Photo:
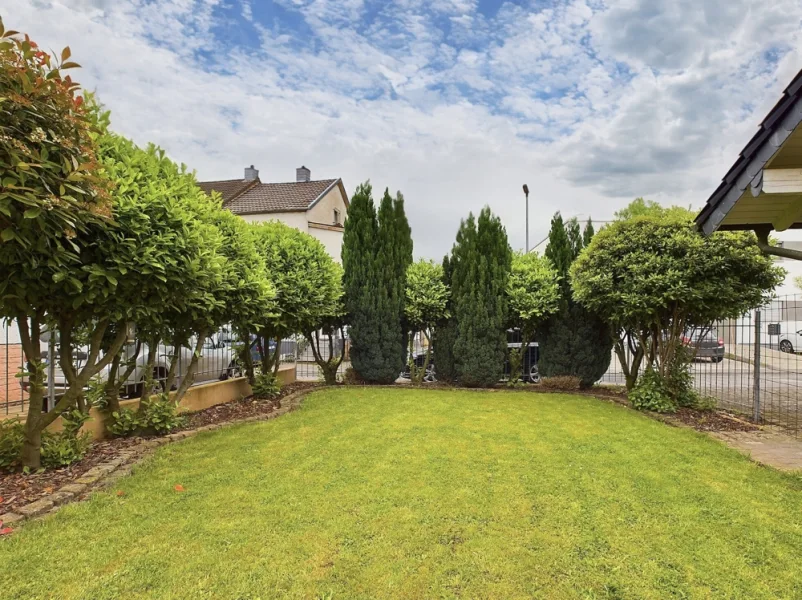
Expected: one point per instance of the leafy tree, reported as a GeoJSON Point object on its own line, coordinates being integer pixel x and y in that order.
{"type": "Point", "coordinates": [649, 208]}
{"type": "Point", "coordinates": [306, 282]}
{"type": "Point", "coordinates": [174, 263]}
{"type": "Point", "coordinates": [481, 264]}
{"type": "Point", "coordinates": [574, 341]}
{"type": "Point", "coordinates": [50, 193]}
{"type": "Point", "coordinates": [653, 277]}
{"type": "Point", "coordinates": [426, 305]}
{"type": "Point", "coordinates": [330, 322]}
{"type": "Point", "coordinates": [533, 293]}
{"type": "Point", "coordinates": [248, 287]}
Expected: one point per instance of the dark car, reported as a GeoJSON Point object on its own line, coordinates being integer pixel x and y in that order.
{"type": "Point", "coordinates": [704, 343]}
{"type": "Point", "coordinates": [529, 370]}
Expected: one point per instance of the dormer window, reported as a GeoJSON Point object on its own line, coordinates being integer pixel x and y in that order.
{"type": "Point", "coordinates": [336, 216]}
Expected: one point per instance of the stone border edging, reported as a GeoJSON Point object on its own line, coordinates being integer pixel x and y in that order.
{"type": "Point", "coordinates": [108, 472]}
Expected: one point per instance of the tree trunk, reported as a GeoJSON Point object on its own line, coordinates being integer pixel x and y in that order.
{"type": "Point", "coordinates": [330, 366]}
{"type": "Point", "coordinates": [247, 359]}
{"type": "Point", "coordinates": [174, 360]}
{"type": "Point", "coordinates": [189, 377]}
{"type": "Point", "coordinates": [32, 447]}
{"type": "Point", "coordinates": [30, 337]}
{"type": "Point", "coordinates": [148, 374]}
{"type": "Point", "coordinates": [112, 389]}
{"type": "Point", "coordinates": [276, 357]}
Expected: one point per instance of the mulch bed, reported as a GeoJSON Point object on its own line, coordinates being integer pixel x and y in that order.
{"type": "Point", "coordinates": [713, 420]}
{"type": "Point", "coordinates": [18, 489]}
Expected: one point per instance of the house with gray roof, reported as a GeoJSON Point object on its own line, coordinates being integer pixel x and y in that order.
{"type": "Point", "coordinates": [317, 207]}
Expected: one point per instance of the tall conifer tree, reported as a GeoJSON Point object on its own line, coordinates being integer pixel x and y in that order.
{"type": "Point", "coordinates": [481, 261]}
{"type": "Point", "coordinates": [377, 249]}
{"type": "Point", "coordinates": [573, 342]}
{"type": "Point", "coordinates": [445, 333]}
{"type": "Point", "coordinates": [360, 279]}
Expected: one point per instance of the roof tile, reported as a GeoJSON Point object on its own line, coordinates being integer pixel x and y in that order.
{"type": "Point", "coordinates": [267, 197]}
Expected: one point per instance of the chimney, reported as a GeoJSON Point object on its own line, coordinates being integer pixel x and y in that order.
{"type": "Point", "coordinates": [302, 174]}
{"type": "Point", "coordinates": [251, 174]}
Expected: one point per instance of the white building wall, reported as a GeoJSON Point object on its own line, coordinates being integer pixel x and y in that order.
{"type": "Point", "coordinates": [332, 240]}
{"type": "Point", "coordinates": [323, 211]}
{"type": "Point", "coordinates": [293, 219]}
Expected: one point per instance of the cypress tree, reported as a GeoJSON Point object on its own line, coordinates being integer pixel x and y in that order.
{"type": "Point", "coordinates": [404, 259]}
{"type": "Point", "coordinates": [587, 235]}
{"type": "Point", "coordinates": [573, 341]}
{"type": "Point", "coordinates": [360, 280]}
{"type": "Point", "coordinates": [377, 249]}
{"type": "Point", "coordinates": [574, 234]}
{"type": "Point", "coordinates": [558, 250]}
{"type": "Point", "coordinates": [481, 264]}
{"type": "Point", "coordinates": [445, 334]}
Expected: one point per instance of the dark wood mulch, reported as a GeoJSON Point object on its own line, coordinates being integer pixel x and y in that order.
{"type": "Point", "coordinates": [713, 420]}
{"type": "Point", "coordinates": [240, 409]}
{"type": "Point", "coordinates": [18, 489]}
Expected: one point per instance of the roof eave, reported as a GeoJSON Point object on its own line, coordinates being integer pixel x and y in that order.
{"type": "Point", "coordinates": [269, 212]}
{"type": "Point", "coordinates": [747, 171]}
{"type": "Point", "coordinates": [324, 192]}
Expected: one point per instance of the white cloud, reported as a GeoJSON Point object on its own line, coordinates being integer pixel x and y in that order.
{"type": "Point", "coordinates": [588, 104]}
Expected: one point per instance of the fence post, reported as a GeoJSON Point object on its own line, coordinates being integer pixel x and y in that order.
{"type": "Point", "coordinates": [51, 371]}
{"type": "Point", "coordinates": [756, 389]}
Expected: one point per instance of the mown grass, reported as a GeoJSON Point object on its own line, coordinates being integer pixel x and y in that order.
{"type": "Point", "coordinates": [378, 493]}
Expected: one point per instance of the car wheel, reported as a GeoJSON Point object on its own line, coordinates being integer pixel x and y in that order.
{"type": "Point", "coordinates": [430, 376]}
{"type": "Point", "coordinates": [159, 384]}
{"type": "Point", "coordinates": [786, 346]}
{"type": "Point", "coordinates": [534, 374]}
{"type": "Point", "coordinates": [233, 370]}
{"type": "Point", "coordinates": [718, 359]}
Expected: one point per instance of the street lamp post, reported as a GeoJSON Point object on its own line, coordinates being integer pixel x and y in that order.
{"type": "Point", "coordinates": [526, 193]}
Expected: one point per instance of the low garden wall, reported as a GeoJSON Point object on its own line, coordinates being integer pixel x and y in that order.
{"type": "Point", "coordinates": [198, 397]}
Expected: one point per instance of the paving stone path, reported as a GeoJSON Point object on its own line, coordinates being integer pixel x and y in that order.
{"type": "Point", "coordinates": [768, 446]}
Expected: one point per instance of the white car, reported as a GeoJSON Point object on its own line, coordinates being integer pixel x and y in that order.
{"type": "Point", "coordinates": [790, 336]}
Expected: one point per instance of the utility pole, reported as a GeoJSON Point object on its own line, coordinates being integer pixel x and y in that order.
{"type": "Point", "coordinates": [526, 193]}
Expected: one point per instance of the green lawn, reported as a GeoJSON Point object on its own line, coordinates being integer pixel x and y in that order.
{"type": "Point", "coordinates": [379, 493]}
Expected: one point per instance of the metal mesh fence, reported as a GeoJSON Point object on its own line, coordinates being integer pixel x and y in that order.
{"type": "Point", "coordinates": [216, 362]}
{"type": "Point", "coordinates": [751, 365]}
{"type": "Point", "coordinates": [307, 369]}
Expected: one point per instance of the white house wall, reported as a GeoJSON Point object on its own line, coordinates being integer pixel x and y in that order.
{"type": "Point", "coordinates": [332, 240]}
{"type": "Point", "coordinates": [323, 211]}
{"type": "Point", "coordinates": [293, 219]}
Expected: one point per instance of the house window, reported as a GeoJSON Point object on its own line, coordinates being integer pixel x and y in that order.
{"type": "Point", "coordinates": [336, 217]}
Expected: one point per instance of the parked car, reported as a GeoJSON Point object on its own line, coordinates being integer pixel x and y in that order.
{"type": "Point", "coordinates": [705, 343]}
{"type": "Point", "coordinates": [789, 336]}
{"type": "Point", "coordinates": [217, 361]}
{"type": "Point", "coordinates": [529, 368]}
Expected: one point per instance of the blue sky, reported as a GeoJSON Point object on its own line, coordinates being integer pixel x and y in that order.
{"type": "Point", "coordinates": [457, 103]}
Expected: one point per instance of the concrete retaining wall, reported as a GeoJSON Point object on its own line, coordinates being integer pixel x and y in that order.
{"type": "Point", "coordinates": [197, 397]}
